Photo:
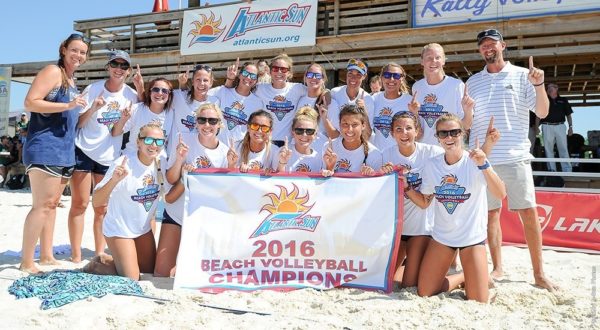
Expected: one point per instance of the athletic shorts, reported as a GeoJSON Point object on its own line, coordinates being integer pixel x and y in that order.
{"type": "Point", "coordinates": [83, 163]}
{"type": "Point", "coordinates": [55, 171]}
{"type": "Point", "coordinates": [468, 246]}
{"type": "Point", "coordinates": [518, 179]}
{"type": "Point", "coordinates": [405, 238]}
{"type": "Point", "coordinates": [167, 220]}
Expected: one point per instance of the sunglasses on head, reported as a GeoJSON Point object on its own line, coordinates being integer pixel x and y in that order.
{"type": "Point", "coordinates": [204, 67]}
{"type": "Point", "coordinates": [149, 140]}
{"type": "Point", "coordinates": [359, 63]}
{"type": "Point", "coordinates": [203, 120]}
{"type": "Point", "coordinates": [250, 75]}
{"type": "Point", "coordinates": [120, 65]}
{"type": "Point", "coordinates": [395, 75]}
{"type": "Point", "coordinates": [314, 75]}
{"type": "Point", "coordinates": [79, 37]}
{"type": "Point", "coordinates": [444, 134]}
{"type": "Point", "coordinates": [488, 33]}
{"type": "Point", "coordinates": [302, 131]}
{"type": "Point", "coordinates": [160, 90]}
{"type": "Point", "coordinates": [280, 69]}
{"type": "Point", "coordinates": [262, 128]}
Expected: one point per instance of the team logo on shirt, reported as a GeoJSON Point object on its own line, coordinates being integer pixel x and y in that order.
{"type": "Point", "coordinates": [430, 110]}
{"type": "Point", "coordinates": [287, 210]}
{"type": "Point", "coordinates": [207, 29]}
{"type": "Point", "coordinates": [189, 122]}
{"type": "Point", "coordinates": [280, 106]}
{"type": "Point", "coordinates": [412, 179]}
{"type": "Point", "coordinates": [450, 193]}
{"type": "Point", "coordinates": [342, 165]}
{"type": "Point", "coordinates": [255, 166]}
{"type": "Point", "coordinates": [112, 115]}
{"type": "Point", "coordinates": [383, 122]}
{"type": "Point", "coordinates": [148, 194]}
{"type": "Point", "coordinates": [304, 168]}
{"type": "Point", "coordinates": [235, 115]}
{"type": "Point", "coordinates": [203, 162]}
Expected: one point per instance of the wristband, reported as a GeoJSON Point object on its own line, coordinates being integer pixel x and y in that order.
{"type": "Point", "coordinates": [538, 85]}
{"type": "Point", "coordinates": [484, 166]}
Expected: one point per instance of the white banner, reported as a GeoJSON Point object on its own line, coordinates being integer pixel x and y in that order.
{"type": "Point", "coordinates": [5, 76]}
{"type": "Point", "coordinates": [440, 12]}
{"type": "Point", "coordinates": [249, 232]}
{"type": "Point", "coordinates": [240, 27]}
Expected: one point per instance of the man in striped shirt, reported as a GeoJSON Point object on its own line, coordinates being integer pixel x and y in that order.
{"type": "Point", "coordinates": [508, 93]}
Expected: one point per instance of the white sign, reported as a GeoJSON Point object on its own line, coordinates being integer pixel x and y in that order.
{"type": "Point", "coordinates": [5, 76]}
{"type": "Point", "coordinates": [243, 27]}
{"type": "Point", "coordinates": [250, 232]}
{"type": "Point", "coordinates": [440, 12]}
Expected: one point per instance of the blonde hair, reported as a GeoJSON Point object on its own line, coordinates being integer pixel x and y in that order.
{"type": "Point", "coordinates": [323, 73]}
{"type": "Point", "coordinates": [403, 85]}
{"type": "Point", "coordinates": [144, 130]}
{"type": "Point", "coordinates": [449, 117]}
{"type": "Point", "coordinates": [432, 46]}
{"type": "Point", "coordinates": [288, 60]}
{"type": "Point", "coordinates": [308, 114]}
{"type": "Point", "coordinates": [210, 106]}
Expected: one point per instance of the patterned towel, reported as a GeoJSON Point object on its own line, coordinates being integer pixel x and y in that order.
{"type": "Point", "coordinates": [62, 287]}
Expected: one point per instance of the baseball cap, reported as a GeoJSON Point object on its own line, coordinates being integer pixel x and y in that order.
{"type": "Point", "coordinates": [116, 54]}
{"type": "Point", "coordinates": [358, 65]}
{"type": "Point", "coordinates": [489, 33]}
{"type": "Point", "coordinates": [23, 113]}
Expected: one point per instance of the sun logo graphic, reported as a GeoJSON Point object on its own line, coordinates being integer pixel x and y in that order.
{"type": "Point", "coordinates": [203, 162]}
{"type": "Point", "coordinates": [280, 106]}
{"type": "Point", "coordinates": [342, 165]}
{"type": "Point", "coordinates": [304, 168]}
{"type": "Point", "coordinates": [412, 179]}
{"type": "Point", "coordinates": [112, 115]}
{"type": "Point", "coordinates": [450, 193]}
{"type": "Point", "coordinates": [235, 116]}
{"type": "Point", "coordinates": [206, 30]}
{"type": "Point", "coordinates": [287, 211]}
{"type": "Point", "coordinates": [255, 166]}
{"type": "Point", "coordinates": [189, 122]}
{"type": "Point", "coordinates": [148, 193]}
{"type": "Point", "coordinates": [383, 122]}
{"type": "Point", "coordinates": [430, 109]}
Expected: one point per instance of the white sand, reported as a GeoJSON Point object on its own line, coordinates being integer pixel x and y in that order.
{"type": "Point", "coordinates": [518, 303]}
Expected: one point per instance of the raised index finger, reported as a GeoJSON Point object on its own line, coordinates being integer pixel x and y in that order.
{"type": "Point", "coordinates": [285, 142]}
{"type": "Point", "coordinates": [530, 62]}
{"type": "Point", "coordinates": [414, 98]}
{"type": "Point", "coordinates": [491, 124]}
{"type": "Point", "coordinates": [124, 162]}
{"type": "Point", "coordinates": [138, 69]}
{"type": "Point", "coordinates": [180, 138]}
{"type": "Point", "coordinates": [230, 143]}
{"type": "Point", "coordinates": [237, 63]}
{"type": "Point", "coordinates": [466, 94]}
{"type": "Point", "coordinates": [477, 143]}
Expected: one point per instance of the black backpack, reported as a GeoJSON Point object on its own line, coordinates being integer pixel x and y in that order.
{"type": "Point", "coordinates": [16, 182]}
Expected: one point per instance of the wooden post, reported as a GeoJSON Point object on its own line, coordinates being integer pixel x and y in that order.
{"type": "Point", "coordinates": [132, 40]}
{"type": "Point", "coordinates": [336, 17]}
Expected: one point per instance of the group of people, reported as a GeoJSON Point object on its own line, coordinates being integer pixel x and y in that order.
{"type": "Point", "coordinates": [280, 126]}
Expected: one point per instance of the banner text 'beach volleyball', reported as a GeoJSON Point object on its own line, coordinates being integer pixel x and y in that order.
{"type": "Point", "coordinates": [242, 27]}
{"type": "Point", "coordinates": [247, 232]}
{"type": "Point", "coordinates": [438, 12]}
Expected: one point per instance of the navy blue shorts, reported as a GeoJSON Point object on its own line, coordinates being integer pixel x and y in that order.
{"type": "Point", "coordinates": [167, 220]}
{"type": "Point", "coordinates": [405, 238]}
{"type": "Point", "coordinates": [468, 246]}
{"type": "Point", "coordinates": [55, 171]}
{"type": "Point", "coordinates": [83, 163]}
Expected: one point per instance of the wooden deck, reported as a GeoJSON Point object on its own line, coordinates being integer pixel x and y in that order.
{"type": "Point", "coordinates": [567, 47]}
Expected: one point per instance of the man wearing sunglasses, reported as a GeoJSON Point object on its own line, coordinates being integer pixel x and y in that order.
{"type": "Point", "coordinates": [508, 93]}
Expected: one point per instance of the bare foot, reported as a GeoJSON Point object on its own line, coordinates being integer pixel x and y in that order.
{"type": "Point", "coordinates": [49, 262]}
{"type": "Point", "coordinates": [497, 274]}
{"type": "Point", "coordinates": [492, 297]}
{"type": "Point", "coordinates": [30, 270]}
{"type": "Point", "coordinates": [545, 283]}
{"type": "Point", "coordinates": [491, 283]}
{"type": "Point", "coordinates": [75, 260]}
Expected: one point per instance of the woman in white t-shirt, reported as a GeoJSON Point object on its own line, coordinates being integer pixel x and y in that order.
{"type": "Point", "coordinates": [458, 181]}
{"type": "Point", "coordinates": [352, 151]}
{"type": "Point", "coordinates": [130, 191]}
{"type": "Point", "coordinates": [410, 157]}
{"type": "Point", "coordinates": [95, 147]}
{"type": "Point", "coordinates": [302, 156]}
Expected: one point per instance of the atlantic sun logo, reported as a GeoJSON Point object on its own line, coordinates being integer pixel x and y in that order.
{"type": "Point", "coordinates": [111, 116]}
{"type": "Point", "coordinates": [287, 211]}
{"type": "Point", "coordinates": [235, 116]}
{"type": "Point", "coordinates": [383, 122]}
{"type": "Point", "coordinates": [413, 179]}
{"type": "Point", "coordinates": [302, 168]}
{"type": "Point", "coordinates": [280, 106]}
{"type": "Point", "coordinates": [189, 122]}
{"type": "Point", "coordinates": [148, 194]}
{"type": "Point", "coordinates": [203, 162]}
{"type": "Point", "coordinates": [450, 193]}
{"type": "Point", "coordinates": [430, 109]}
{"type": "Point", "coordinates": [206, 30]}
{"type": "Point", "coordinates": [342, 165]}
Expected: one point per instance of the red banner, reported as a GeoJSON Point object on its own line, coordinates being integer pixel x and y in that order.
{"type": "Point", "coordinates": [568, 220]}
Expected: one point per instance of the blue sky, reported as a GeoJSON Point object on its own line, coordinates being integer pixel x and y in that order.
{"type": "Point", "coordinates": [32, 31]}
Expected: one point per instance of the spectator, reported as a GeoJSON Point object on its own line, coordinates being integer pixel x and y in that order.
{"type": "Point", "coordinates": [23, 123]}
{"type": "Point", "coordinates": [554, 130]}
{"type": "Point", "coordinates": [263, 71]}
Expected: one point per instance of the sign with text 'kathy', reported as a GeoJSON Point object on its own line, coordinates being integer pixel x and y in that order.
{"type": "Point", "coordinates": [241, 27]}
{"type": "Point", "coordinates": [249, 232]}
{"type": "Point", "coordinates": [440, 12]}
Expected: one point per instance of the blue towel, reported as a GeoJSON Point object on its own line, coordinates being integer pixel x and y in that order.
{"type": "Point", "coordinates": [62, 287]}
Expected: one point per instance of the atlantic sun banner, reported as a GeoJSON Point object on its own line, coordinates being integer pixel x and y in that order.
{"type": "Point", "coordinates": [240, 27]}
{"type": "Point", "coordinates": [250, 232]}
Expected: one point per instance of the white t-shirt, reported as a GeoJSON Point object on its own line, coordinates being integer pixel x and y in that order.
{"type": "Point", "coordinates": [281, 103]}
{"type": "Point", "coordinates": [260, 161]}
{"type": "Point", "coordinates": [95, 137]}
{"type": "Point", "coordinates": [508, 96]}
{"type": "Point", "coordinates": [236, 110]}
{"type": "Point", "coordinates": [437, 100]}
{"type": "Point", "coordinates": [385, 109]}
{"type": "Point", "coordinates": [132, 202]}
{"type": "Point", "coordinates": [460, 203]}
{"type": "Point", "coordinates": [305, 163]}
{"type": "Point", "coordinates": [332, 113]}
{"type": "Point", "coordinates": [352, 160]}
{"type": "Point", "coordinates": [417, 221]}
{"type": "Point", "coordinates": [184, 117]}
{"type": "Point", "coordinates": [340, 95]}
{"type": "Point", "coordinates": [140, 116]}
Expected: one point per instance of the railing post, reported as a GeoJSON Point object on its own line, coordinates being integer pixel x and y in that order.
{"type": "Point", "coordinates": [336, 17]}
{"type": "Point", "coordinates": [132, 40]}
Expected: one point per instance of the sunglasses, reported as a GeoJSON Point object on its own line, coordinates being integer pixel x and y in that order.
{"type": "Point", "coordinates": [160, 90]}
{"type": "Point", "coordinates": [256, 127]}
{"type": "Point", "coordinates": [314, 75]}
{"type": "Point", "coordinates": [444, 134]}
{"type": "Point", "coordinates": [280, 69]}
{"type": "Point", "coordinates": [488, 33]}
{"type": "Point", "coordinates": [390, 75]}
{"type": "Point", "coordinates": [251, 75]}
{"type": "Point", "coordinates": [79, 37]}
{"type": "Point", "coordinates": [302, 131]}
{"type": "Point", "coordinates": [211, 121]}
{"type": "Point", "coordinates": [149, 140]}
{"type": "Point", "coordinates": [121, 65]}
{"type": "Point", "coordinates": [204, 67]}
{"type": "Point", "coordinates": [358, 63]}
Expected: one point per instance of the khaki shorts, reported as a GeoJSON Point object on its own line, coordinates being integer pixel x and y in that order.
{"type": "Point", "coordinates": [520, 190]}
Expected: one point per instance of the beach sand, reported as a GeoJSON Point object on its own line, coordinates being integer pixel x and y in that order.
{"type": "Point", "coordinates": [518, 304]}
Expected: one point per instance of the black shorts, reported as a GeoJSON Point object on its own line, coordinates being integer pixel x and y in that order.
{"type": "Point", "coordinates": [55, 171]}
{"type": "Point", "coordinates": [468, 246]}
{"type": "Point", "coordinates": [405, 238]}
{"type": "Point", "coordinates": [83, 163]}
{"type": "Point", "coordinates": [167, 220]}
{"type": "Point", "coordinates": [278, 143]}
